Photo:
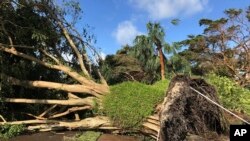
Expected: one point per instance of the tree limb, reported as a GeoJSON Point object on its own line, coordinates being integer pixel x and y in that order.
{"type": "Point", "coordinates": [3, 119]}
{"type": "Point", "coordinates": [74, 102]}
{"type": "Point", "coordinates": [70, 41]}
{"type": "Point", "coordinates": [54, 85]}
{"type": "Point", "coordinates": [70, 110]}
{"type": "Point", "coordinates": [48, 110]}
{"type": "Point", "coordinates": [88, 123]}
{"type": "Point", "coordinates": [102, 88]}
{"type": "Point", "coordinates": [50, 56]}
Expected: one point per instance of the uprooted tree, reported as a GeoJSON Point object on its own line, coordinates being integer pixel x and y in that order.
{"type": "Point", "coordinates": [185, 113]}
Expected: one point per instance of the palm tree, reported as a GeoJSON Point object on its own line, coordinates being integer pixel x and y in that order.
{"type": "Point", "coordinates": [156, 36]}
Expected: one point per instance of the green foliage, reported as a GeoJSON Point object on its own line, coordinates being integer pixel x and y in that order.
{"type": "Point", "coordinates": [232, 95]}
{"type": "Point", "coordinates": [120, 67]}
{"type": "Point", "coordinates": [207, 52]}
{"type": "Point", "coordinates": [86, 136]}
{"type": "Point", "coordinates": [130, 102]}
{"type": "Point", "coordinates": [9, 131]}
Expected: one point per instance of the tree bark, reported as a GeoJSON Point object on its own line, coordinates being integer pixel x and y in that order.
{"type": "Point", "coordinates": [98, 122]}
{"type": "Point", "coordinates": [162, 62]}
{"type": "Point", "coordinates": [92, 89]}
{"type": "Point", "coordinates": [74, 102]}
{"type": "Point", "coordinates": [161, 55]}
{"type": "Point", "coordinates": [99, 88]}
{"type": "Point", "coordinates": [70, 110]}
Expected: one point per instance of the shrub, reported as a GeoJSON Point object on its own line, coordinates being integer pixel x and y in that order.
{"type": "Point", "coordinates": [130, 102]}
{"type": "Point", "coordinates": [230, 93]}
{"type": "Point", "coordinates": [9, 131]}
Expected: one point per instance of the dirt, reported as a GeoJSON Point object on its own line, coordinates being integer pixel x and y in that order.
{"type": "Point", "coordinates": [50, 136]}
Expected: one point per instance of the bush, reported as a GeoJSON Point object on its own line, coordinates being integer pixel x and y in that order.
{"type": "Point", "coordinates": [9, 131]}
{"type": "Point", "coordinates": [231, 94]}
{"type": "Point", "coordinates": [86, 136]}
{"type": "Point", "coordinates": [130, 102]}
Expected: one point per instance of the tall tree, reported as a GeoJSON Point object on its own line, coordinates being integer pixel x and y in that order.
{"type": "Point", "coordinates": [144, 52]}
{"type": "Point", "coordinates": [156, 35]}
{"type": "Point", "coordinates": [224, 45]}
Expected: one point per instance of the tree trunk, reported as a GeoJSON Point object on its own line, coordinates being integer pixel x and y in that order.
{"type": "Point", "coordinates": [162, 62]}
{"type": "Point", "coordinates": [161, 55]}
{"type": "Point", "coordinates": [98, 122]}
{"type": "Point", "coordinates": [74, 102]}
{"type": "Point", "coordinates": [91, 88]}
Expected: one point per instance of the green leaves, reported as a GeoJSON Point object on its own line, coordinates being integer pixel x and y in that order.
{"type": "Point", "coordinates": [38, 36]}
{"type": "Point", "coordinates": [232, 95]}
{"type": "Point", "coordinates": [232, 13]}
{"type": "Point", "coordinates": [205, 22]}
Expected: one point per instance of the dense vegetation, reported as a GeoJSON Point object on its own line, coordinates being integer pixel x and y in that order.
{"type": "Point", "coordinates": [8, 131]}
{"type": "Point", "coordinates": [232, 95]}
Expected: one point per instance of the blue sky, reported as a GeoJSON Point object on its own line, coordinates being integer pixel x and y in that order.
{"type": "Point", "coordinates": [117, 22]}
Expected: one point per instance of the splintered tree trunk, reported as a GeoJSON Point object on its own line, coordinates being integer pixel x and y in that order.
{"type": "Point", "coordinates": [184, 112]}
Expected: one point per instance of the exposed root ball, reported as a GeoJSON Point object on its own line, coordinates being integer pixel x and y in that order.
{"type": "Point", "coordinates": [185, 112]}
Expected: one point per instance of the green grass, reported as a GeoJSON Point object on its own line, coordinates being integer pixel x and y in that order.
{"type": "Point", "coordinates": [231, 94]}
{"type": "Point", "coordinates": [130, 102]}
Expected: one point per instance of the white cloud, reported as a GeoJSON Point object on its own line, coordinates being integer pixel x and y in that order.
{"type": "Point", "coordinates": [126, 33]}
{"type": "Point", "coordinates": [160, 9]}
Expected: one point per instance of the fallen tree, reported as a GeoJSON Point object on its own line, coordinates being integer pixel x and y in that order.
{"type": "Point", "coordinates": [36, 37]}
{"type": "Point", "coordinates": [36, 41]}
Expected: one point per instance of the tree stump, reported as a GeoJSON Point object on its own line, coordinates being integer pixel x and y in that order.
{"type": "Point", "coordinates": [185, 112]}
